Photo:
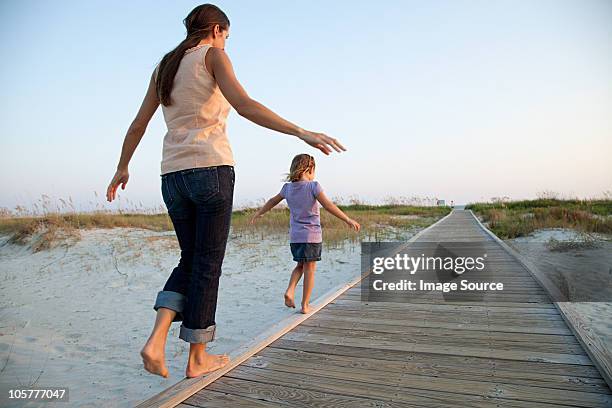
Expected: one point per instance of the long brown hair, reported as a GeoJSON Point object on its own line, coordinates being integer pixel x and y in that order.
{"type": "Point", "coordinates": [200, 22]}
{"type": "Point", "coordinates": [300, 165]}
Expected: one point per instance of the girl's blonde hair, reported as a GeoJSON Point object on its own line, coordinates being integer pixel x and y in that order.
{"type": "Point", "coordinates": [300, 164]}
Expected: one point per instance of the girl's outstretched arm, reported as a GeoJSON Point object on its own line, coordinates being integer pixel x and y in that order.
{"type": "Point", "coordinates": [270, 204]}
{"type": "Point", "coordinates": [335, 211]}
{"type": "Point", "coordinates": [254, 111]}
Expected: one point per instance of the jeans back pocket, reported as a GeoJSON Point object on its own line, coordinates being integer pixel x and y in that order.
{"type": "Point", "coordinates": [202, 183]}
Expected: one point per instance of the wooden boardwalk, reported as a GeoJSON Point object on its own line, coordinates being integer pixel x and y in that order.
{"type": "Point", "coordinates": [513, 349]}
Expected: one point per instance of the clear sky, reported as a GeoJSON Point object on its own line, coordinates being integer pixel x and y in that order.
{"type": "Point", "coordinates": [463, 100]}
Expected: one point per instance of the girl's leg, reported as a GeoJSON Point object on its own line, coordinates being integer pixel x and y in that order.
{"type": "Point", "coordinates": [309, 271]}
{"type": "Point", "coordinates": [296, 275]}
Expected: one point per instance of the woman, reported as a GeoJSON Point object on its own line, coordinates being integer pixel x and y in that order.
{"type": "Point", "coordinates": [196, 85]}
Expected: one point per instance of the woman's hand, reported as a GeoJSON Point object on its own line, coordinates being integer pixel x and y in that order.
{"type": "Point", "coordinates": [321, 141]}
{"type": "Point", "coordinates": [121, 177]}
{"type": "Point", "coordinates": [254, 218]}
{"type": "Point", "coordinates": [353, 224]}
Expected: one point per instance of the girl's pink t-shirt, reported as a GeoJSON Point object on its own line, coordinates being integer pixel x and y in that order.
{"type": "Point", "coordinates": [304, 220]}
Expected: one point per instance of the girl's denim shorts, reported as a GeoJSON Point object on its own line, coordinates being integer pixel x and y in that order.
{"type": "Point", "coordinates": [306, 251]}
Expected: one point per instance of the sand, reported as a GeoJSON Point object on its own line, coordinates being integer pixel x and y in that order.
{"type": "Point", "coordinates": [581, 266]}
{"type": "Point", "coordinates": [77, 316]}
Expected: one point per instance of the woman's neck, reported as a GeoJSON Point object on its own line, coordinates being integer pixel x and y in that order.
{"type": "Point", "coordinates": [205, 41]}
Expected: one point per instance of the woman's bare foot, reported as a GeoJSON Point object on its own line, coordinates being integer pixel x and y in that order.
{"type": "Point", "coordinates": [153, 358]}
{"type": "Point", "coordinates": [289, 300]}
{"type": "Point", "coordinates": [205, 363]}
{"type": "Point", "coordinates": [305, 309]}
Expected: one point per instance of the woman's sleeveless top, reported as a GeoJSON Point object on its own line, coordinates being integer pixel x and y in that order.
{"type": "Point", "coordinates": [196, 120]}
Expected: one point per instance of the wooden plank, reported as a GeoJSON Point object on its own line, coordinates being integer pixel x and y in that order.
{"type": "Point", "coordinates": [425, 323]}
{"type": "Point", "coordinates": [409, 312]}
{"type": "Point", "coordinates": [292, 395]}
{"type": "Point", "coordinates": [438, 360]}
{"type": "Point", "coordinates": [524, 355]}
{"type": "Point", "coordinates": [417, 301]}
{"type": "Point", "coordinates": [463, 382]}
{"type": "Point", "coordinates": [334, 387]}
{"type": "Point", "coordinates": [448, 308]}
{"type": "Point", "coordinates": [493, 336]}
{"type": "Point", "coordinates": [488, 373]}
{"type": "Point", "coordinates": [523, 297]}
{"type": "Point", "coordinates": [446, 341]}
{"type": "Point", "coordinates": [216, 399]}
{"type": "Point", "coordinates": [466, 319]}
{"type": "Point", "coordinates": [421, 390]}
{"type": "Point", "coordinates": [599, 352]}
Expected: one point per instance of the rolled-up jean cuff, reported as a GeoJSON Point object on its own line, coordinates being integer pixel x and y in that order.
{"type": "Point", "coordinates": [198, 335]}
{"type": "Point", "coordinates": [171, 300]}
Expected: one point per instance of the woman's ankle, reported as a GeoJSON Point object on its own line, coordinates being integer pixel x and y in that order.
{"type": "Point", "coordinates": [197, 349]}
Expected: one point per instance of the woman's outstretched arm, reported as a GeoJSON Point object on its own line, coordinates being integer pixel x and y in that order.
{"type": "Point", "coordinates": [254, 111]}
{"type": "Point", "coordinates": [132, 139]}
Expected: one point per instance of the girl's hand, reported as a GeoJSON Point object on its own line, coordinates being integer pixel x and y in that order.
{"type": "Point", "coordinates": [321, 141]}
{"type": "Point", "coordinates": [121, 177]}
{"type": "Point", "coordinates": [353, 224]}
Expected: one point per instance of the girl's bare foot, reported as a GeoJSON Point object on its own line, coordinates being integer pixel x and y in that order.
{"type": "Point", "coordinates": [289, 300]}
{"type": "Point", "coordinates": [305, 309]}
{"type": "Point", "coordinates": [153, 358]}
{"type": "Point", "coordinates": [205, 363]}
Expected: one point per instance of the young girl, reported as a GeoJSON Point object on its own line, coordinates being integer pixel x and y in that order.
{"type": "Point", "coordinates": [302, 194]}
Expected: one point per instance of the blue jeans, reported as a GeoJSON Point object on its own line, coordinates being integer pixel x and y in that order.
{"type": "Point", "coordinates": [199, 203]}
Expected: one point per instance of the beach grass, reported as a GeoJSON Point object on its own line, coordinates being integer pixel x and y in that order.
{"type": "Point", "coordinates": [379, 222]}
{"type": "Point", "coordinates": [511, 219]}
